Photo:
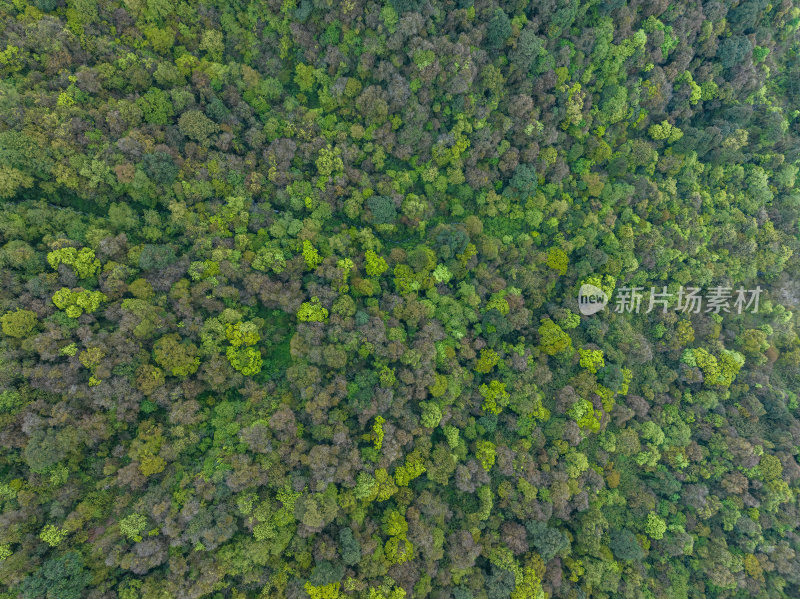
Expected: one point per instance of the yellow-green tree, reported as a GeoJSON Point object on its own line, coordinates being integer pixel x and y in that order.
{"type": "Point", "coordinates": [19, 323]}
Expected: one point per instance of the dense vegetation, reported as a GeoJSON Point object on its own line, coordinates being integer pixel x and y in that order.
{"type": "Point", "coordinates": [289, 299]}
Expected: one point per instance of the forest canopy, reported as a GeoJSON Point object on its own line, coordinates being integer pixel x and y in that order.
{"type": "Point", "coordinates": [289, 301]}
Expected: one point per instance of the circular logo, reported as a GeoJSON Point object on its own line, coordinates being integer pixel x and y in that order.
{"type": "Point", "coordinates": [591, 299]}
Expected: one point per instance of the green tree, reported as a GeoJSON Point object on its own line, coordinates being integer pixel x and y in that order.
{"type": "Point", "coordinates": [552, 338]}
{"type": "Point", "coordinates": [156, 106]}
{"type": "Point", "coordinates": [375, 264]}
{"type": "Point", "coordinates": [246, 360]}
{"type": "Point", "coordinates": [311, 255]}
{"type": "Point", "coordinates": [498, 29]}
{"type": "Point", "coordinates": [625, 546]}
{"type": "Point", "coordinates": [312, 311]}
{"type": "Point", "coordinates": [176, 356]}
{"type": "Point", "coordinates": [62, 577]}
{"type": "Point", "coordinates": [304, 77]}
{"type": "Point", "coordinates": [19, 323]}
{"type": "Point", "coordinates": [557, 260]}
{"type": "Point", "coordinates": [349, 547]}
{"type": "Point", "coordinates": [382, 209]}
{"type": "Point", "coordinates": [655, 526]}
{"type": "Point", "coordinates": [82, 261]}
{"type": "Point", "coordinates": [13, 180]}
{"type": "Point", "coordinates": [488, 360]}
{"type": "Point", "coordinates": [431, 414]}
{"type": "Point", "coordinates": [197, 126]}
{"type": "Point", "coordinates": [132, 526]}
{"type": "Point", "coordinates": [591, 359]}
{"type": "Point", "coordinates": [75, 302]}
{"type": "Point", "coordinates": [486, 454]}
{"type": "Point", "coordinates": [53, 535]}
{"type": "Point", "coordinates": [495, 397]}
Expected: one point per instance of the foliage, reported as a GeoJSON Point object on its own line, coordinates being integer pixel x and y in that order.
{"type": "Point", "coordinates": [82, 261]}
{"type": "Point", "coordinates": [75, 302]}
{"type": "Point", "coordinates": [312, 311]}
{"type": "Point", "coordinates": [655, 526]}
{"type": "Point", "coordinates": [132, 525]}
{"type": "Point", "coordinates": [19, 323]}
{"type": "Point", "coordinates": [289, 302]}
{"type": "Point", "coordinates": [553, 339]}
{"type": "Point", "coordinates": [486, 454]}
{"type": "Point", "coordinates": [557, 260]}
{"type": "Point", "coordinates": [375, 265]}
{"type": "Point", "coordinates": [62, 577]}
{"type": "Point", "coordinates": [53, 535]}
{"type": "Point", "coordinates": [495, 396]}
{"type": "Point", "coordinates": [591, 359]}
{"type": "Point", "coordinates": [178, 357]}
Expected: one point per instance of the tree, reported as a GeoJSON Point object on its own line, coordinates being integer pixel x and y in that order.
{"type": "Point", "coordinates": [329, 161]}
{"type": "Point", "coordinates": [13, 180]}
{"type": "Point", "coordinates": [557, 260]}
{"type": "Point", "coordinates": [160, 167]}
{"type": "Point", "coordinates": [431, 414]}
{"type": "Point", "coordinates": [548, 541]}
{"type": "Point", "coordinates": [612, 377]}
{"type": "Point", "coordinates": [246, 360]}
{"type": "Point", "coordinates": [733, 50]}
{"type": "Point", "coordinates": [62, 577]}
{"type": "Point", "coordinates": [312, 311]}
{"type": "Point", "coordinates": [328, 591]}
{"type": "Point", "coordinates": [349, 547]}
{"type": "Point", "coordinates": [382, 209]}
{"type": "Point", "coordinates": [486, 454]}
{"type": "Point", "coordinates": [375, 264]}
{"type": "Point", "coordinates": [311, 255]}
{"type": "Point", "coordinates": [716, 372]}
{"type": "Point", "coordinates": [304, 77]}
{"type": "Point", "coordinates": [625, 546]}
{"type": "Point", "coordinates": [178, 357]}
{"type": "Point", "coordinates": [132, 526]}
{"type": "Point", "coordinates": [500, 584]}
{"type": "Point", "coordinates": [591, 359]}
{"type": "Point", "coordinates": [325, 573]}
{"type": "Point", "coordinates": [498, 29]}
{"type": "Point", "coordinates": [495, 397]}
{"type": "Point", "coordinates": [19, 323]}
{"type": "Point", "coordinates": [665, 131]}
{"type": "Point", "coordinates": [196, 125]}
{"type": "Point", "coordinates": [523, 183]}
{"type": "Point", "coordinates": [488, 360]}
{"type": "Point", "coordinates": [82, 261]}
{"type": "Point", "coordinates": [53, 535]}
{"type": "Point", "coordinates": [552, 338]}
{"type": "Point", "coordinates": [156, 106]}
{"type": "Point", "coordinates": [655, 526]}
{"type": "Point", "coordinates": [530, 587]}
{"type": "Point", "coordinates": [75, 302]}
